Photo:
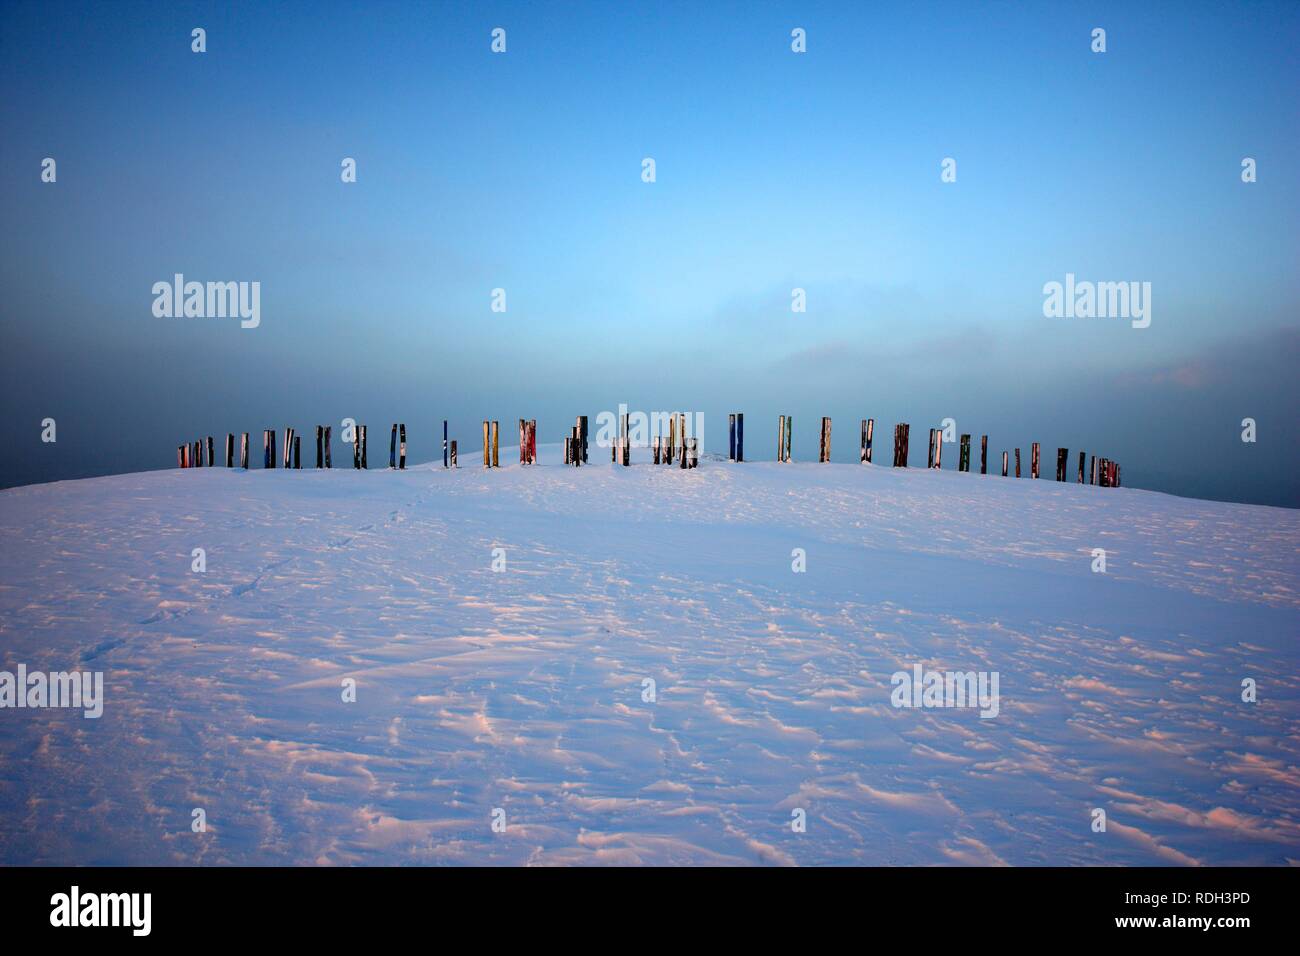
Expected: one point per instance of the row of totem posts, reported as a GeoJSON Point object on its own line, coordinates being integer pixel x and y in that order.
{"type": "Point", "coordinates": [676, 445]}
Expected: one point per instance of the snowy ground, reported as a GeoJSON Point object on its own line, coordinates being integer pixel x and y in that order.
{"type": "Point", "coordinates": [523, 689]}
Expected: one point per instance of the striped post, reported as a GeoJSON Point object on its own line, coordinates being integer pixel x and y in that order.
{"type": "Point", "coordinates": [392, 448]}
{"type": "Point", "coordinates": [401, 446]}
{"type": "Point", "coordinates": [963, 460]}
{"type": "Point", "coordinates": [780, 439]}
{"type": "Point", "coordinates": [446, 461]}
{"type": "Point", "coordinates": [288, 447]}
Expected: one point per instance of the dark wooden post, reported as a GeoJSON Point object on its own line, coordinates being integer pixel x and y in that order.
{"type": "Point", "coordinates": [825, 453]}
{"type": "Point", "coordinates": [963, 459]}
{"type": "Point", "coordinates": [446, 452]}
{"type": "Point", "coordinates": [780, 438]}
{"type": "Point", "coordinates": [320, 446]}
{"type": "Point", "coordinates": [297, 451]}
{"type": "Point", "coordinates": [327, 447]}
{"type": "Point", "coordinates": [496, 435]}
{"type": "Point", "coordinates": [288, 447]}
{"type": "Point", "coordinates": [180, 456]}
{"type": "Point", "coordinates": [582, 437]}
{"type": "Point", "coordinates": [1082, 459]}
{"type": "Point", "coordinates": [401, 447]}
{"type": "Point", "coordinates": [656, 449]}
{"type": "Point", "coordinates": [212, 456]}
{"type": "Point", "coordinates": [731, 437]}
{"type": "Point", "coordinates": [1062, 462]}
{"type": "Point", "coordinates": [453, 453]}
{"type": "Point", "coordinates": [487, 443]}
{"type": "Point", "coordinates": [984, 454]}
{"type": "Point", "coordinates": [929, 457]}
{"type": "Point", "coordinates": [268, 447]}
{"type": "Point", "coordinates": [568, 448]}
{"type": "Point", "coordinates": [365, 447]}
{"type": "Point", "coordinates": [1033, 461]}
{"type": "Point", "coordinates": [230, 449]}
{"type": "Point", "coordinates": [740, 436]}
{"type": "Point", "coordinates": [392, 448]}
{"type": "Point", "coordinates": [1092, 470]}
{"type": "Point", "coordinates": [1017, 462]}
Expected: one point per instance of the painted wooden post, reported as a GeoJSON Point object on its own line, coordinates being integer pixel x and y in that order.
{"type": "Point", "coordinates": [365, 447]}
{"type": "Point", "coordinates": [1116, 474]}
{"type": "Point", "coordinates": [626, 443]}
{"type": "Point", "coordinates": [392, 448]}
{"type": "Point", "coordinates": [582, 437]}
{"type": "Point", "coordinates": [327, 447]}
{"type": "Point", "coordinates": [1004, 464]}
{"type": "Point", "coordinates": [446, 452]}
{"type": "Point", "coordinates": [212, 457]}
{"type": "Point", "coordinates": [902, 435]}
{"type": "Point", "coordinates": [780, 438]}
{"type": "Point", "coordinates": [984, 454]}
{"type": "Point", "coordinates": [320, 446]}
{"type": "Point", "coordinates": [963, 459]}
{"type": "Point", "coordinates": [1062, 462]}
{"type": "Point", "coordinates": [487, 443]}
{"type": "Point", "coordinates": [568, 448]}
{"type": "Point", "coordinates": [824, 453]}
{"type": "Point", "coordinates": [453, 453]}
{"type": "Point", "coordinates": [789, 437]}
{"type": "Point", "coordinates": [288, 447]}
{"type": "Point", "coordinates": [268, 447]}
{"type": "Point", "coordinates": [576, 450]}
{"type": "Point", "coordinates": [1082, 459]}
{"type": "Point", "coordinates": [731, 437]}
{"type": "Point", "coordinates": [230, 449]}
{"type": "Point", "coordinates": [180, 456]}
{"type": "Point", "coordinates": [532, 441]}
{"type": "Point", "coordinates": [297, 451]}
{"type": "Point", "coordinates": [1017, 462]}
{"type": "Point", "coordinates": [1092, 471]}
{"type": "Point", "coordinates": [1033, 461]}
{"type": "Point", "coordinates": [401, 446]}
{"type": "Point", "coordinates": [1101, 471]}
{"type": "Point", "coordinates": [496, 435]}
{"type": "Point", "coordinates": [868, 424]}
{"type": "Point", "coordinates": [695, 452]}
{"type": "Point", "coordinates": [243, 451]}
{"type": "Point", "coordinates": [740, 436]}
{"type": "Point", "coordinates": [929, 459]}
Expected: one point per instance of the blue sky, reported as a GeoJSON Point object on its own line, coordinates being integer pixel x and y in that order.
{"type": "Point", "coordinates": [775, 170]}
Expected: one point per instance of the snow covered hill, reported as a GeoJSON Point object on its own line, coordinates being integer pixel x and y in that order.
{"type": "Point", "coordinates": [526, 690]}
